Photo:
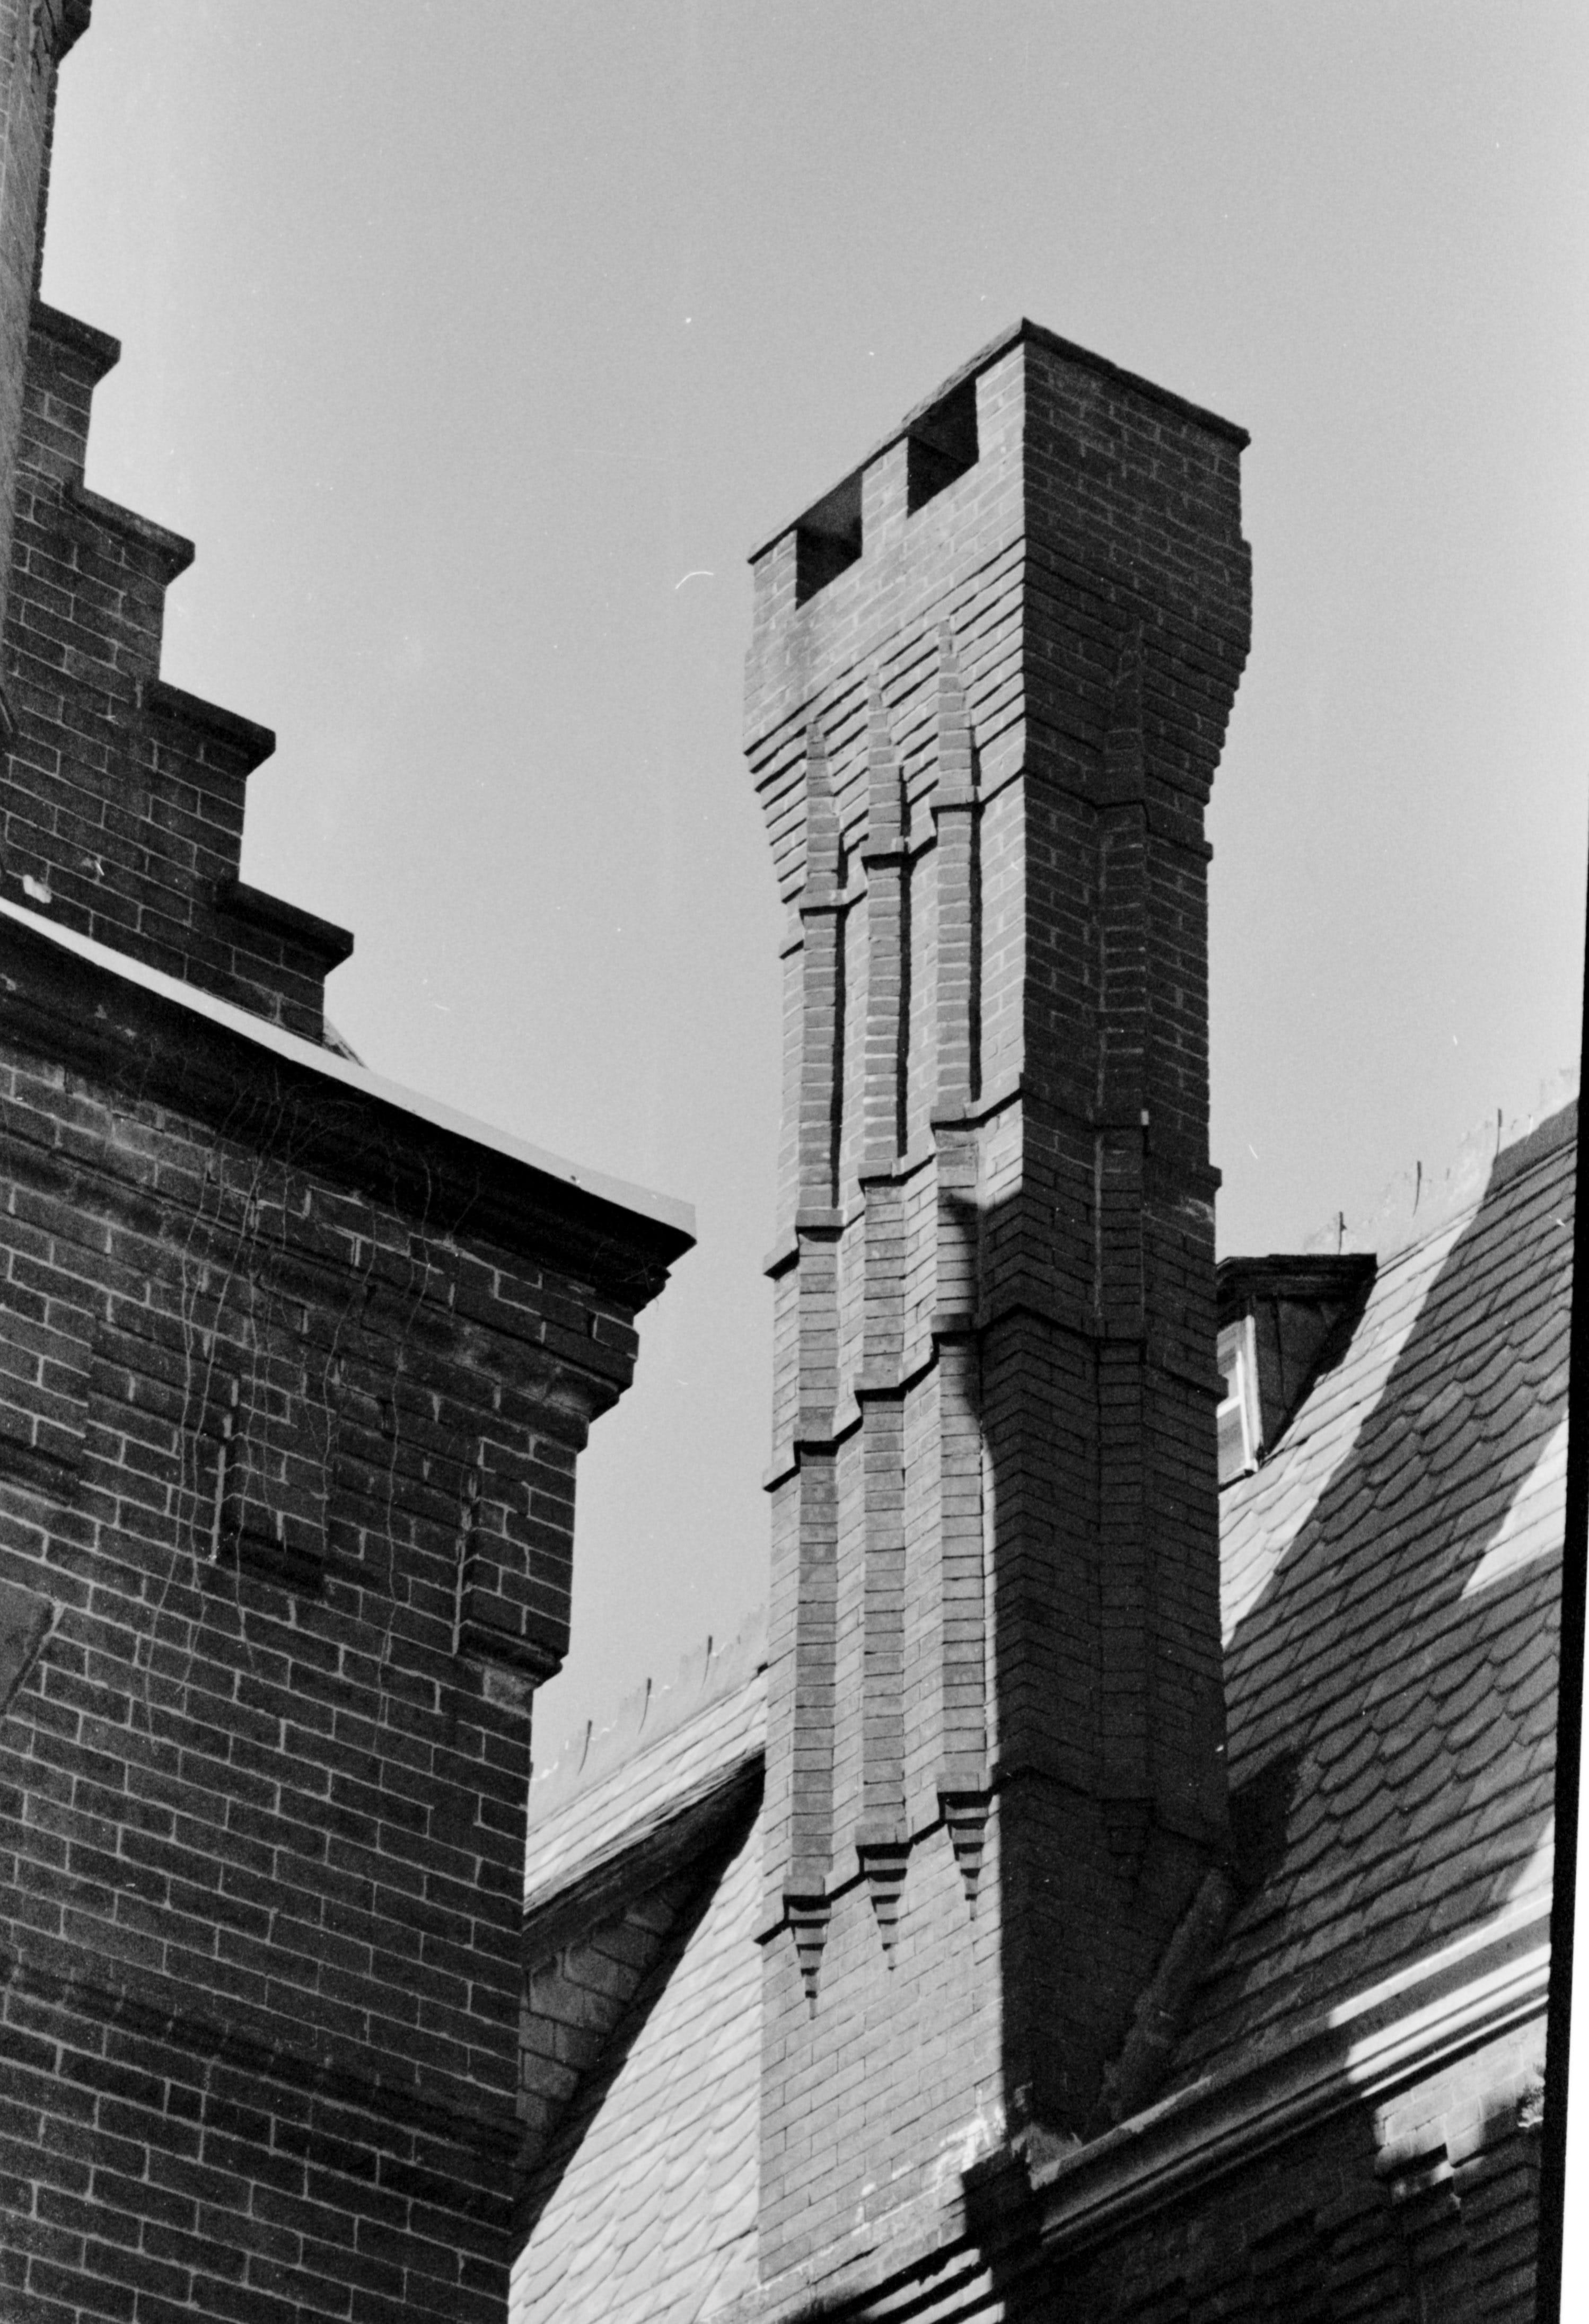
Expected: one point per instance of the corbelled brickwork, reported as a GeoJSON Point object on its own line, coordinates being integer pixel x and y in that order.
{"type": "Point", "coordinates": [987, 691]}
{"type": "Point", "coordinates": [294, 1372]}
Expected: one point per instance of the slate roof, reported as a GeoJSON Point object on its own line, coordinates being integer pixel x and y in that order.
{"type": "Point", "coordinates": [1390, 1581]}
{"type": "Point", "coordinates": [642, 2041]}
{"type": "Point", "coordinates": [1391, 1577]}
{"type": "Point", "coordinates": [645, 2207]}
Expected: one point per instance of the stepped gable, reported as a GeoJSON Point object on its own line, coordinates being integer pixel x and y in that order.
{"type": "Point", "coordinates": [121, 812]}
{"type": "Point", "coordinates": [637, 2176]}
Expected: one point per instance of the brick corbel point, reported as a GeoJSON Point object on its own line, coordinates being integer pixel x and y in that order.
{"type": "Point", "coordinates": [807, 1910]}
{"type": "Point", "coordinates": [964, 1800]}
{"type": "Point", "coordinates": [882, 1850]}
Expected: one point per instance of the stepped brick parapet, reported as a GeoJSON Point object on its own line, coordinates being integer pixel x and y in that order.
{"type": "Point", "coordinates": [121, 810]}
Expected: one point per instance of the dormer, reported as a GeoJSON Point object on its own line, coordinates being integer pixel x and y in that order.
{"type": "Point", "coordinates": [1283, 1320]}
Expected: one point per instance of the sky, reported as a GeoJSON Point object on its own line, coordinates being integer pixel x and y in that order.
{"type": "Point", "coordinates": [476, 343]}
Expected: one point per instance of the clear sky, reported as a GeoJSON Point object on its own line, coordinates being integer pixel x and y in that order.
{"type": "Point", "coordinates": [475, 341]}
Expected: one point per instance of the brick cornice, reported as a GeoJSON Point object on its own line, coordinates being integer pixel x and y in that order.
{"type": "Point", "coordinates": [173, 551]}
{"type": "Point", "coordinates": [161, 699]}
{"type": "Point", "coordinates": [78, 1002]}
{"type": "Point", "coordinates": [98, 346]}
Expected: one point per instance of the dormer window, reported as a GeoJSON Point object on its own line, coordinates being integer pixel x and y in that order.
{"type": "Point", "coordinates": [1239, 1416]}
{"type": "Point", "coordinates": [1283, 1320]}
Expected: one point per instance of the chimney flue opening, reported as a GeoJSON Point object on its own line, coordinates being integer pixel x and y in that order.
{"type": "Point", "coordinates": [941, 446]}
{"type": "Point", "coordinates": [828, 539]}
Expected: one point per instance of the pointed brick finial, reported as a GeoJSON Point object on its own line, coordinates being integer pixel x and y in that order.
{"type": "Point", "coordinates": [966, 1815]}
{"type": "Point", "coordinates": [808, 1919]}
{"type": "Point", "coordinates": [884, 1864]}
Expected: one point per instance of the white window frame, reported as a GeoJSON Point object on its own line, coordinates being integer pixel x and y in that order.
{"type": "Point", "coordinates": [1238, 1362]}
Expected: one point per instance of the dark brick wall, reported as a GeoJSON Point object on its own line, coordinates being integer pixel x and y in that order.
{"type": "Point", "coordinates": [983, 749]}
{"type": "Point", "coordinates": [289, 1455]}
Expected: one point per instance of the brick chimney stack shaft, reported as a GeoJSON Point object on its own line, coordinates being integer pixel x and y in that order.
{"type": "Point", "coordinates": [987, 691]}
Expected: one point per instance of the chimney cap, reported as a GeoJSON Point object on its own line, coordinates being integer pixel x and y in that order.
{"type": "Point", "coordinates": [1023, 328]}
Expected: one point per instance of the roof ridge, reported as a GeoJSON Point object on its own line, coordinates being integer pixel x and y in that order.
{"type": "Point", "coordinates": [1416, 1205]}
{"type": "Point", "coordinates": [714, 1669]}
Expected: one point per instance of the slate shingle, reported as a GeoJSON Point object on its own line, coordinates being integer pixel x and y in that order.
{"type": "Point", "coordinates": [1391, 1578]}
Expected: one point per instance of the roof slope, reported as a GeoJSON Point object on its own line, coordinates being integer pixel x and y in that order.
{"type": "Point", "coordinates": [1391, 1577]}
{"type": "Point", "coordinates": [645, 2204]}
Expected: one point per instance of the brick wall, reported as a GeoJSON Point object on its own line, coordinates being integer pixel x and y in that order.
{"type": "Point", "coordinates": [987, 695]}
{"type": "Point", "coordinates": [293, 1389]}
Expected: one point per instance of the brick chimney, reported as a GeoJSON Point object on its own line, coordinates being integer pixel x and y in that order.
{"type": "Point", "coordinates": [988, 687]}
